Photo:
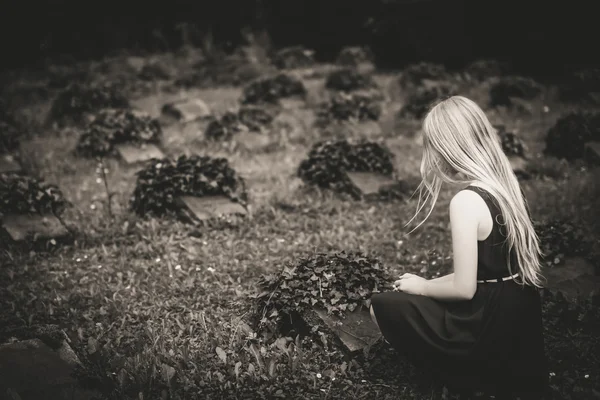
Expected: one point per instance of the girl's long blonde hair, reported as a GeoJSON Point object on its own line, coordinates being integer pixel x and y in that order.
{"type": "Point", "coordinates": [459, 138]}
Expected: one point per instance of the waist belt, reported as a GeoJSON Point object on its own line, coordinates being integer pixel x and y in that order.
{"type": "Point", "coordinates": [506, 278]}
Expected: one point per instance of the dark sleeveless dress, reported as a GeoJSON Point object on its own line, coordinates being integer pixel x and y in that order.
{"type": "Point", "coordinates": [491, 343]}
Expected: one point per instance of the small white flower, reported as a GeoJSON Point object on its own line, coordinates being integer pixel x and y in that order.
{"type": "Point", "coordinates": [93, 206]}
{"type": "Point", "coordinates": [78, 260]}
{"type": "Point", "coordinates": [546, 109]}
{"type": "Point", "coordinates": [178, 267]}
{"type": "Point", "coordinates": [333, 379]}
{"type": "Point", "coordinates": [319, 376]}
{"type": "Point", "coordinates": [85, 256]}
{"type": "Point", "coordinates": [98, 180]}
{"type": "Point", "coordinates": [210, 269]}
{"type": "Point", "coordinates": [552, 374]}
{"type": "Point", "coordinates": [363, 381]}
{"type": "Point", "coordinates": [99, 266]}
{"type": "Point", "coordinates": [586, 376]}
{"type": "Point", "coordinates": [157, 259]}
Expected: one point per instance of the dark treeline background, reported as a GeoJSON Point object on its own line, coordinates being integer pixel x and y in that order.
{"type": "Point", "coordinates": [539, 37]}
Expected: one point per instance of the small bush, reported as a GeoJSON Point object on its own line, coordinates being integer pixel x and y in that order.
{"type": "Point", "coordinates": [272, 89]}
{"type": "Point", "coordinates": [354, 56]}
{"type": "Point", "coordinates": [160, 184]}
{"type": "Point", "coordinates": [350, 106]}
{"type": "Point", "coordinates": [10, 132]}
{"type": "Point", "coordinates": [154, 72]}
{"type": "Point", "coordinates": [567, 138]}
{"type": "Point", "coordinates": [481, 70]}
{"type": "Point", "coordinates": [294, 57]}
{"type": "Point", "coordinates": [502, 92]}
{"type": "Point", "coordinates": [512, 144]}
{"type": "Point", "coordinates": [113, 127]}
{"type": "Point", "coordinates": [338, 283]}
{"type": "Point", "coordinates": [73, 103]}
{"type": "Point", "coordinates": [248, 118]}
{"type": "Point", "coordinates": [20, 194]}
{"type": "Point", "coordinates": [329, 161]}
{"type": "Point", "coordinates": [415, 74]}
{"type": "Point", "coordinates": [420, 102]}
{"type": "Point", "coordinates": [349, 79]}
{"type": "Point", "coordinates": [560, 238]}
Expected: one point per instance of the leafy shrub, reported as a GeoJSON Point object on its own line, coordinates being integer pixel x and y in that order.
{"type": "Point", "coordinates": [512, 144]}
{"type": "Point", "coordinates": [349, 79]}
{"type": "Point", "coordinates": [248, 118]}
{"type": "Point", "coordinates": [160, 184]}
{"type": "Point", "coordinates": [502, 92]}
{"type": "Point", "coordinates": [74, 102]}
{"type": "Point", "coordinates": [338, 282]}
{"type": "Point", "coordinates": [354, 56]}
{"type": "Point", "coordinates": [271, 89]}
{"type": "Point", "coordinates": [117, 126]}
{"type": "Point", "coordinates": [329, 161]}
{"type": "Point", "coordinates": [415, 74]}
{"type": "Point", "coordinates": [347, 106]}
{"type": "Point", "coordinates": [567, 138]}
{"type": "Point", "coordinates": [582, 86]}
{"type": "Point", "coordinates": [481, 70]}
{"type": "Point", "coordinates": [20, 194]}
{"type": "Point", "coordinates": [154, 72]}
{"type": "Point", "coordinates": [294, 57]}
{"type": "Point", "coordinates": [421, 101]}
{"type": "Point", "coordinates": [560, 238]}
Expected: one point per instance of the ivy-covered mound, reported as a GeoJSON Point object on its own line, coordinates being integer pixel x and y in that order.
{"type": "Point", "coordinates": [480, 70]}
{"type": "Point", "coordinates": [567, 138]}
{"type": "Point", "coordinates": [9, 132]}
{"type": "Point", "coordinates": [328, 163]}
{"type": "Point", "coordinates": [75, 101]}
{"type": "Point", "coordinates": [271, 89]}
{"type": "Point", "coordinates": [584, 86]}
{"type": "Point", "coordinates": [248, 118]}
{"type": "Point", "coordinates": [354, 56]}
{"type": "Point", "coordinates": [348, 106]}
{"type": "Point", "coordinates": [415, 74]}
{"type": "Point", "coordinates": [560, 238]}
{"type": "Point", "coordinates": [160, 184]}
{"type": "Point", "coordinates": [421, 101]}
{"type": "Point", "coordinates": [294, 57]}
{"type": "Point", "coordinates": [21, 194]}
{"type": "Point", "coordinates": [338, 283]}
{"type": "Point", "coordinates": [502, 92]}
{"type": "Point", "coordinates": [349, 79]}
{"type": "Point", "coordinates": [117, 126]}
{"type": "Point", "coordinates": [512, 144]}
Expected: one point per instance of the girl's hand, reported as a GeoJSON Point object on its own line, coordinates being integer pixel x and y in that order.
{"type": "Point", "coordinates": [410, 283]}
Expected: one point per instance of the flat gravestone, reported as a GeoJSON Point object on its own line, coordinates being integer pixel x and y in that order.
{"type": "Point", "coordinates": [186, 110]}
{"type": "Point", "coordinates": [133, 154]}
{"type": "Point", "coordinates": [575, 278]}
{"type": "Point", "coordinates": [252, 140]}
{"type": "Point", "coordinates": [356, 331]}
{"type": "Point", "coordinates": [592, 153]}
{"type": "Point", "coordinates": [209, 207]}
{"type": "Point", "coordinates": [9, 164]}
{"type": "Point", "coordinates": [370, 183]}
{"type": "Point", "coordinates": [22, 226]}
{"type": "Point", "coordinates": [29, 370]}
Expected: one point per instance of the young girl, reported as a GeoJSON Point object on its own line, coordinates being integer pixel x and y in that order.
{"type": "Point", "coordinates": [479, 328]}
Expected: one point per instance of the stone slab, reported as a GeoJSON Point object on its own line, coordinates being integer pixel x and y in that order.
{"type": "Point", "coordinates": [133, 154]}
{"type": "Point", "coordinates": [29, 369]}
{"type": "Point", "coordinates": [574, 278]}
{"type": "Point", "coordinates": [22, 226]}
{"type": "Point", "coordinates": [592, 153]}
{"type": "Point", "coordinates": [186, 110]}
{"type": "Point", "coordinates": [370, 183]}
{"type": "Point", "coordinates": [209, 207]}
{"type": "Point", "coordinates": [356, 331]}
{"type": "Point", "coordinates": [9, 164]}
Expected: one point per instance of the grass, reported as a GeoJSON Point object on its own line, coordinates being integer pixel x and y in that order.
{"type": "Point", "coordinates": [160, 309]}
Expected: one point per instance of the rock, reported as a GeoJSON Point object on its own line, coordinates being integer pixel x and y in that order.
{"type": "Point", "coordinates": [186, 110]}
{"type": "Point", "coordinates": [209, 207]}
{"type": "Point", "coordinates": [31, 370]}
{"type": "Point", "coordinates": [592, 153]}
{"type": "Point", "coordinates": [133, 154]}
{"type": "Point", "coordinates": [22, 226]}
{"type": "Point", "coordinates": [356, 331]}
{"type": "Point", "coordinates": [576, 278]}
{"type": "Point", "coordinates": [370, 183]}
{"type": "Point", "coordinates": [9, 164]}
